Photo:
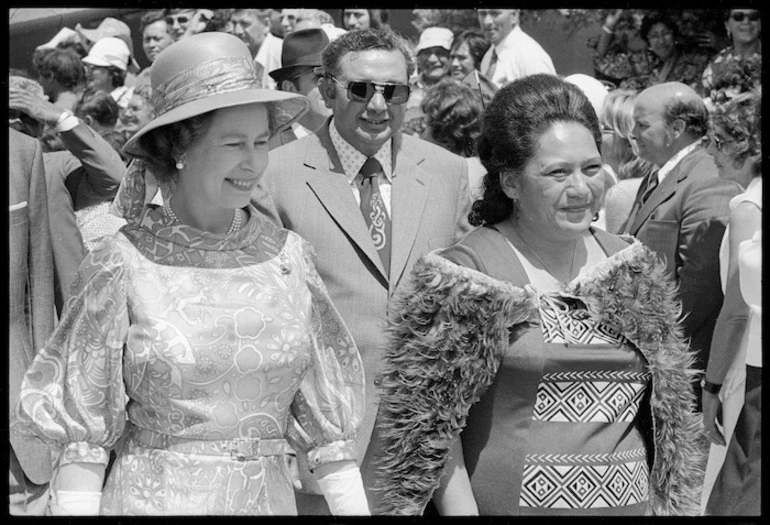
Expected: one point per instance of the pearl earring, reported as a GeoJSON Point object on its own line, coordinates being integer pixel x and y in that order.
{"type": "Point", "coordinates": [179, 164]}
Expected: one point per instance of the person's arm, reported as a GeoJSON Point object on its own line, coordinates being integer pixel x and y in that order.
{"type": "Point", "coordinates": [705, 214]}
{"type": "Point", "coordinates": [454, 496]}
{"type": "Point", "coordinates": [102, 164]}
{"type": "Point", "coordinates": [745, 219]}
{"type": "Point", "coordinates": [463, 204]}
{"type": "Point", "coordinates": [607, 35]}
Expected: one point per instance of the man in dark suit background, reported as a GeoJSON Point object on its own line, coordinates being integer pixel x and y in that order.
{"type": "Point", "coordinates": [682, 208]}
{"type": "Point", "coordinates": [415, 195]}
{"type": "Point", "coordinates": [30, 310]}
{"type": "Point", "coordinates": [300, 56]}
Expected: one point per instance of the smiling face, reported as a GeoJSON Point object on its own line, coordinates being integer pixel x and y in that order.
{"type": "Point", "coordinates": [367, 125]}
{"type": "Point", "coordinates": [155, 38]}
{"type": "Point", "coordinates": [661, 39]}
{"type": "Point", "coordinates": [433, 63]}
{"type": "Point", "coordinates": [138, 113]}
{"type": "Point", "coordinates": [745, 31]}
{"type": "Point", "coordinates": [722, 148]}
{"type": "Point", "coordinates": [224, 164]}
{"type": "Point", "coordinates": [561, 187]}
{"type": "Point", "coordinates": [460, 61]}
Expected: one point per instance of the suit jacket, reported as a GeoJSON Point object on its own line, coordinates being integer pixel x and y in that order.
{"type": "Point", "coordinates": [88, 173]}
{"type": "Point", "coordinates": [307, 191]}
{"type": "Point", "coordinates": [30, 283]}
{"type": "Point", "coordinates": [684, 220]}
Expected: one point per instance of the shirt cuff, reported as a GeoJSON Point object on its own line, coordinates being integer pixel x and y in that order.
{"type": "Point", "coordinates": [334, 451]}
{"type": "Point", "coordinates": [67, 123]}
{"type": "Point", "coordinates": [82, 452]}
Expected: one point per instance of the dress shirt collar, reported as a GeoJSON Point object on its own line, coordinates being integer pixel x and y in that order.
{"type": "Point", "coordinates": [673, 161]}
{"type": "Point", "coordinates": [352, 159]}
{"type": "Point", "coordinates": [509, 42]}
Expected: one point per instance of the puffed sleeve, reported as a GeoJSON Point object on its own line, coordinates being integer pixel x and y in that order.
{"type": "Point", "coordinates": [72, 396]}
{"type": "Point", "coordinates": [329, 406]}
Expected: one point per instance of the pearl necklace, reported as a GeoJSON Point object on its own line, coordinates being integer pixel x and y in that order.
{"type": "Point", "coordinates": [234, 226]}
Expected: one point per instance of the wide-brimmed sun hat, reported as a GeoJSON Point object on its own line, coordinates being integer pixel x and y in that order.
{"type": "Point", "coordinates": [210, 71]}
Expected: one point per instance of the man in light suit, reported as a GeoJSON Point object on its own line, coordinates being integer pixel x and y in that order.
{"type": "Point", "coordinates": [314, 186]}
{"type": "Point", "coordinates": [30, 310]}
{"type": "Point", "coordinates": [682, 208]}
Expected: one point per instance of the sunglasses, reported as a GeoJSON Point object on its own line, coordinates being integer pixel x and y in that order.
{"type": "Point", "coordinates": [364, 91]}
{"type": "Point", "coordinates": [182, 20]}
{"type": "Point", "coordinates": [739, 16]}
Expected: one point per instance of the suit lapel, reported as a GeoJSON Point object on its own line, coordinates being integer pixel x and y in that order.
{"type": "Point", "coordinates": [408, 198]}
{"type": "Point", "coordinates": [330, 185]}
{"type": "Point", "coordinates": [662, 193]}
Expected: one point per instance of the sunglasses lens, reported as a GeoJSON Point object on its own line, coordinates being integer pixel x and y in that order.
{"type": "Point", "coordinates": [360, 91]}
{"type": "Point", "coordinates": [738, 17]}
{"type": "Point", "coordinates": [753, 17]}
{"type": "Point", "coordinates": [397, 94]}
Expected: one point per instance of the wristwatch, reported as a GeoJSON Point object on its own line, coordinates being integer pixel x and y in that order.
{"type": "Point", "coordinates": [712, 388]}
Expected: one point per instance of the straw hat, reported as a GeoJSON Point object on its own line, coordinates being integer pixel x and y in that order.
{"type": "Point", "coordinates": [301, 48]}
{"type": "Point", "coordinates": [209, 71]}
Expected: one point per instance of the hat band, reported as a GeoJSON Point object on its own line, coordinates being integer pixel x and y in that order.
{"type": "Point", "coordinates": [213, 77]}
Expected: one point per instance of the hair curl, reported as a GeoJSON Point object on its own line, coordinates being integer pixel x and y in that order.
{"type": "Point", "coordinates": [741, 119]}
{"type": "Point", "coordinates": [453, 116]}
{"type": "Point", "coordinates": [517, 117]}
{"type": "Point", "coordinates": [166, 144]}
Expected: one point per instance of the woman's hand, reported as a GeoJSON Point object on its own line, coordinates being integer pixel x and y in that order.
{"type": "Point", "coordinates": [711, 406]}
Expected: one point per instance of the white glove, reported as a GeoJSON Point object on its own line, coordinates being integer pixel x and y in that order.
{"type": "Point", "coordinates": [75, 503]}
{"type": "Point", "coordinates": [344, 492]}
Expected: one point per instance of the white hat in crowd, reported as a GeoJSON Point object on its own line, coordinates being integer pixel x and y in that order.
{"type": "Point", "coordinates": [435, 37]}
{"type": "Point", "coordinates": [594, 89]}
{"type": "Point", "coordinates": [108, 51]}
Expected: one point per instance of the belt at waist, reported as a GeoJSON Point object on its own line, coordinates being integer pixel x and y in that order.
{"type": "Point", "coordinates": [237, 448]}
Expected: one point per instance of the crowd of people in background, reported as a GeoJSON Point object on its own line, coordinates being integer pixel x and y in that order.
{"type": "Point", "coordinates": [298, 232]}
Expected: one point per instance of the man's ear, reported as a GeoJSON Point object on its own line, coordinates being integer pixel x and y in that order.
{"type": "Point", "coordinates": [288, 86]}
{"type": "Point", "coordinates": [327, 90]}
{"type": "Point", "coordinates": [678, 127]}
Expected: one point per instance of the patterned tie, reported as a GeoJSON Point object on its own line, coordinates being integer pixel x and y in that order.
{"type": "Point", "coordinates": [373, 210]}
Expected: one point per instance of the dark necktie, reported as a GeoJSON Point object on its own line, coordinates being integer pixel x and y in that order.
{"type": "Point", "coordinates": [373, 210]}
{"type": "Point", "coordinates": [651, 185]}
{"type": "Point", "coordinates": [492, 65]}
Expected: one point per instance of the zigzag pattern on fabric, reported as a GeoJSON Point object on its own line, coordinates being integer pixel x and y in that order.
{"type": "Point", "coordinates": [449, 328]}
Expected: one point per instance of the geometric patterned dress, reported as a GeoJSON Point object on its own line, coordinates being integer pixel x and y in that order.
{"type": "Point", "coordinates": [575, 393]}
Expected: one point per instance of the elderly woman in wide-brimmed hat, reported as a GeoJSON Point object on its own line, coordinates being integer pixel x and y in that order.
{"type": "Point", "coordinates": [200, 342]}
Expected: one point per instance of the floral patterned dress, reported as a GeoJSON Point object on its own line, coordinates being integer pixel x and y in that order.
{"type": "Point", "coordinates": [729, 74]}
{"type": "Point", "coordinates": [687, 68]}
{"type": "Point", "coordinates": [204, 361]}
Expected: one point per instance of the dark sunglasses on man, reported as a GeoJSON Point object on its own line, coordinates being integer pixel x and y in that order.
{"type": "Point", "coordinates": [753, 16]}
{"type": "Point", "coordinates": [180, 19]}
{"type": "Point", "coordinates": [364, 91]}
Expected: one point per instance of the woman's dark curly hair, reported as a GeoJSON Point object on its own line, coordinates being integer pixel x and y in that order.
{"type": "Point", "coordinates": [166, 144]}
{"type": "Point", "coordinates": [453, 116]}
{"type": "Point", "coordinates": [63, 65]}
{"type": "Point", "coordinates": [658, 17]}
{"type": "Point", "coordinates": [517, 117]}
{"type": "Point", "coordinates": [741, 119]}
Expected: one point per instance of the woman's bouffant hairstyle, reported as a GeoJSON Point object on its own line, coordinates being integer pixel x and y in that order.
{"type": "Point", "coordinates": [453, 116]}
{"type": "Point", "coordinates": [741, 119]}
{"type": "Point", "coordinates": [517, 117]}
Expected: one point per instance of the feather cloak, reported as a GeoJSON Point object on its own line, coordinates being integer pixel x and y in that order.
{"type": "Point", "coordinates": [450, 326]}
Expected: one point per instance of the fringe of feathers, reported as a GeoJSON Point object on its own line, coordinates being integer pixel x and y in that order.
{"type": "Point", "coordinates": [449, 328]}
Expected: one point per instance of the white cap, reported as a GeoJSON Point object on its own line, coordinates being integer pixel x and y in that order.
{"type": "Point", "coordinates": [594, 89]}
{"type": "Point", "coordinates": [109, 51]}
{"type": "Point", "coordinates": [435, 37]}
